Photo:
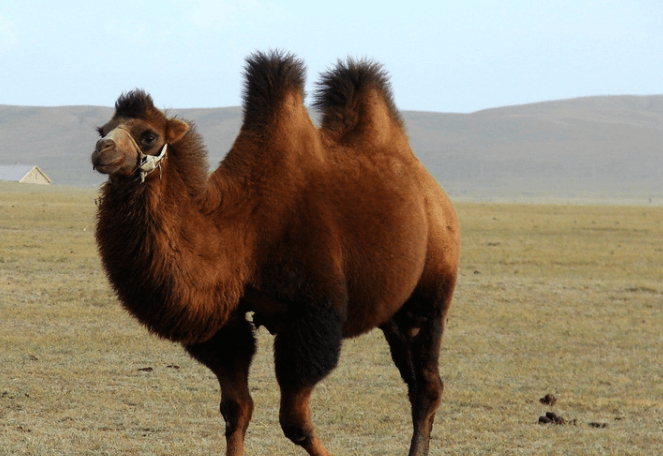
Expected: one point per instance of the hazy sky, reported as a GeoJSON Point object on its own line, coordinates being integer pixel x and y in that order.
{"type": "Point", "coordinates": [444, 56]}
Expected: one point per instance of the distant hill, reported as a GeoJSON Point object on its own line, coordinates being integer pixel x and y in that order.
{"type": "Point", "coordinates": [609, 146]}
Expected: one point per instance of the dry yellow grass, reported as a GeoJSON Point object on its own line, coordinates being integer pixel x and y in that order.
{"type": "Point", "coordinates": [565, 300]}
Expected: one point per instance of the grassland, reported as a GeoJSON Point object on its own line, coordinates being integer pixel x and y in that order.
{"type": "Point", "coordinates": [566, 300]}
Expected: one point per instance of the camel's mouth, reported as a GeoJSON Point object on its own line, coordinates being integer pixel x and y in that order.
{"type": "Point", "coordinates": [106, 164]}
{"type": "Point", "coordinates": [116, 153]}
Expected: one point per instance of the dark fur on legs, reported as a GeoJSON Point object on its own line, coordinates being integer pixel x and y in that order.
{"type": "Point", "coordinates": [307, 346]}
{"type": "Point", "coordinates": [306, 350]}
{"type": "Point", "coordinates": [228, 354]}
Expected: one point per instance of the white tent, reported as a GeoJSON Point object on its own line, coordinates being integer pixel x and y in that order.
{"type": "Point", "coordinates": [24, 174]}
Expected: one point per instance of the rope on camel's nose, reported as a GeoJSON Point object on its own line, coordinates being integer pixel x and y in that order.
{"type": "Point", "coordinates": [149, 163]}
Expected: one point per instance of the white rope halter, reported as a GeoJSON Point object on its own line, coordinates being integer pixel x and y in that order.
{"type": "Point", "coordinates": [149, 163]}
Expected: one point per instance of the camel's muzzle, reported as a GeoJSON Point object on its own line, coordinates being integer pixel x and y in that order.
{"type": "Point", "coordinates": [118, 153]}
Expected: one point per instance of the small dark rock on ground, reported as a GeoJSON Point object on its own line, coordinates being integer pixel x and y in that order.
{"type": "Point", "coordinates": [553, 418]}
{"type": "Point", "coordinates": [548, 399]}
{"type": "Point", "coordinates": [599, 425]}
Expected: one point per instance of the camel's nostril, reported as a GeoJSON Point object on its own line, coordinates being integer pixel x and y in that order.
{"type": "Point", "coordinates": [105, 145]}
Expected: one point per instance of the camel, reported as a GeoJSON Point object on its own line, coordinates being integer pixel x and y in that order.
{"type": "Point", "coordinates": [316, 233]}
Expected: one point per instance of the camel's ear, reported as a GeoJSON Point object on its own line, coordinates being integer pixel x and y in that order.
{"type": "Point", "coordinates": [176, 130]}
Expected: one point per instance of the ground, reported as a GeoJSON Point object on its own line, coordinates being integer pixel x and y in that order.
{"type": "Point", "coordinates": [552, 299]}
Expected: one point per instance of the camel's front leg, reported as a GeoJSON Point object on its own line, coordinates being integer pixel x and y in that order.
{"type": "Point", "coordinates": [295, 419]}
{"type": "Point", "coordinates": [237, 409]}
{"type": "Point", "coordinates": [228, 354]}
{"type": "Point", "coordinates": [306, 349]}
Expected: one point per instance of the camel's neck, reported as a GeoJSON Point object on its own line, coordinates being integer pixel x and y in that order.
{"type": "Point", "coordinates": [178, 268]}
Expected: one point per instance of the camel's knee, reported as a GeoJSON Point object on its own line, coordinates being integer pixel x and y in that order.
{"type": "Point", "coordinates": [296, 428]}
{"type": "Point", "coordinates": [431, 391]}
{"type": "Point", "coordinates": [295, 416]}
{"type": "Point", "coordinates": [426, 398]}
{"type": "Point", "coordinates": [434, 395]}
{"type": "Point", "coordinates": [236, 415]}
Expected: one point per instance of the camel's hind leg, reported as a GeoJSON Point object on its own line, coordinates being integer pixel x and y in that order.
{"type": "Point", "coordinates": [414, 336]}
{"type": "Point", "coordinates": [228, 354]}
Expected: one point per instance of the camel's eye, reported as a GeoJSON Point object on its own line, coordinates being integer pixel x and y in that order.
{"type": "Point", "coordinates": [148, 138]}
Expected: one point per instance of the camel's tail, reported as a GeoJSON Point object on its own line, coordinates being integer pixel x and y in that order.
{"type": "Point", "coordinates": [270, 78]}
{"type": "Point", "coordinates": [356, 103]}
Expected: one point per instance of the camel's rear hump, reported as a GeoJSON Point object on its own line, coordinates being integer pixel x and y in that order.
{"type": "Point", "coordinates": [357, 105]}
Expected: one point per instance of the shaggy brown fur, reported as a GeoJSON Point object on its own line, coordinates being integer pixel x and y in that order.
{"type": "Point", "coordinates": [321, 233]}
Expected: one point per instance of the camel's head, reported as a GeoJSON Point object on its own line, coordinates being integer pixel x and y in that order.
{"type": "Point", "coordinates": [135, 140]}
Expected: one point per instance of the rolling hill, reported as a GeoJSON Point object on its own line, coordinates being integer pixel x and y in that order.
{"type": "Point", "coordinates": [610, 146]}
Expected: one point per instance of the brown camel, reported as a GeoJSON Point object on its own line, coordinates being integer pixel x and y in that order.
{"type": "Point", "coordinates": [323, 233]}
